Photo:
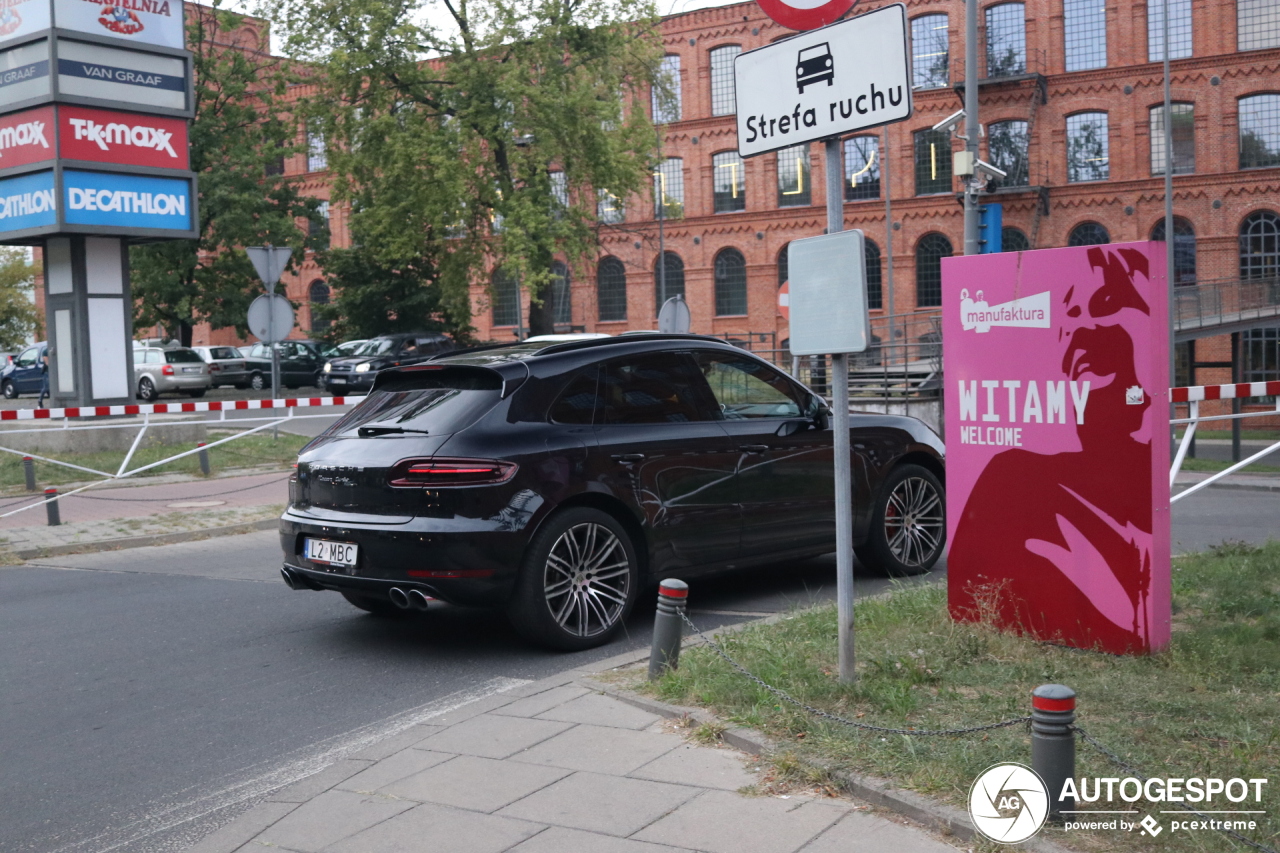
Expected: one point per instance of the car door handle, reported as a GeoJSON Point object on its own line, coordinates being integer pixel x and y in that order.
{"type": "Point", "coordinates": [627, 458]}
{"type": "Point", "coordinates": [754, 448]}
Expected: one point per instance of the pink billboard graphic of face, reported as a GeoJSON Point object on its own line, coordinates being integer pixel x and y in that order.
{"type": "Point", "coordinates": [1057, 406]}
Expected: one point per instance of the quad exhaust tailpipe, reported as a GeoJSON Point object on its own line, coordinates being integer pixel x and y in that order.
{"type": "Point", "coordinates": [418, 599]}
{"type": "Point", "coordinates": [398, 597]}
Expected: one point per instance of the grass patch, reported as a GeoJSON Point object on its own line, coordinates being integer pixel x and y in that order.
{"type": "Point", "coordinates": [1206, 706]}
{"type": "Point", "coordinates": [1215, 465]}
{"type": "Point", "coordinates": [250, 451]}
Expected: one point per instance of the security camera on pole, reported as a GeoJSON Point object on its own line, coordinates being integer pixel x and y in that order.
{"type": "Point", "coordinates": [835, 79]}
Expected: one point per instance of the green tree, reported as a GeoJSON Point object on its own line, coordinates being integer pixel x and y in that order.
{"type": "Point", "coordinates": [483, 142]}
{"type": "Point", "coordinates": [18, 319]}
{"type": "Point", "coordinates": [239, 133]}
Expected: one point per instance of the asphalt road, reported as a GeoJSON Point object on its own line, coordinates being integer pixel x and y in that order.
{"type": "Point", "coordinates": [154, 693]}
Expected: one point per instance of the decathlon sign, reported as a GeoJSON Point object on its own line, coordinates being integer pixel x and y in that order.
{"type": "Point", "coordinates": [846, 77]}
{"type": "Point", "coordinates": [108, 198]}
{"type": "Point", "coordinates": [28, 201]}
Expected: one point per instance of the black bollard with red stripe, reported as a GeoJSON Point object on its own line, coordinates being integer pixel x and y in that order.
{"type": "Point", "coordinates": [668, 627]}
{"type": "Point", "coordinates": [1053, 742]}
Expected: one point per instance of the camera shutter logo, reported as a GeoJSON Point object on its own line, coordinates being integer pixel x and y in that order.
{"type": "Point", "coordinates": [1008, 803]}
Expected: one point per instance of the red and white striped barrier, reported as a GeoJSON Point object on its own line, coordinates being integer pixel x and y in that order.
{"type": "Point", "coordinates": [1196, 393]}
{"type": "Point", "coordinates": [173, 408]}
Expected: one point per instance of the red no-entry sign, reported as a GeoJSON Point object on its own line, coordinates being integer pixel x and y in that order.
{"type": "Point", "coordinates": [805, 14]}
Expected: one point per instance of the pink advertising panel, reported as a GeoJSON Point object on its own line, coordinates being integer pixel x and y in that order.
{"type": "Point", "coordinates": [1057, 406]}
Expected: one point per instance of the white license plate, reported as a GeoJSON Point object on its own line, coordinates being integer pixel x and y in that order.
{"type": "Point", "coordinates": [338, 380]}
{"type": "Point", "coordinates": [333, 553]}
{"type": "Point", "coordinates": [190, 370]}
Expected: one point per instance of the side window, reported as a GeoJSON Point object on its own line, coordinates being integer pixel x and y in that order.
{"type": "Point", "coordinates": [655, 389]}
{"type": "Point", "coordinates": [577, 405]}
{"type": "Point", "coordinates": [154, 356]}
{"type": "Point", "coordinates": [28, 358]}
{"type": "Point", "coordinates": [745, 388]}
{"type": "Point", "coordinates": [258, 351]}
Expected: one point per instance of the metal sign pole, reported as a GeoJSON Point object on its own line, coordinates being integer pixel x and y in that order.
{"type": "Point", "coordinates": [840, 445]}
{"type": "Point", "coordinates": [971, 131]}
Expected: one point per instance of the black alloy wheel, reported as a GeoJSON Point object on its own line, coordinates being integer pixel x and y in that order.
{"type": "Point", "coordinates": [908, 524]}
{"type": "Point", "coordinates": [579, 581]}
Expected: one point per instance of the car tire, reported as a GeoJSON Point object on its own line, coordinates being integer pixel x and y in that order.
{"type": "Point", "coordinates": [908, 524]}
{"type": "Point", "coordinates": [196, 392]}
{"type": "Point", "coordinates": [258, 382]}
{"type": "Point", "coordinates": [578, 582]}
{"type": "Point", "coordinates": [10, 390]}
{"type": "Point", "coordinates": [370, 604]}
{"type": "Point", "coordinates": [146, 390]}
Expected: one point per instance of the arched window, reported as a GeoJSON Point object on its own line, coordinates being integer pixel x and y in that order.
{"type": "Point", "coordinates": [1088, 147]}
{"type": "Point", "coordinates": [731, 283]}
{"type": "Point", "coordinates": [930, 251]}
{"type": "Point", "coordinates": [871, 256]}
{"type": "Point", "coordinates": [1084, 33]}
{"type": "Point", "coordinates": [1259, 245]}
{"type": "Point", "coordinates": [674, 284]}
{"type": "Point", "coordinates": [1184, 249]}
{"type": "Point", "coordinates": [1088, 234]}
{"type": "Point", "coordinates": [933, 162]}
{"type": "Point", "coordinates": [1013, 240]}
{"type": "Point", "coordinates": [1179, 30]}
{"type": "Point", "coordinates": [784, 260]}
{"type": "Point", "coordinates": [666, 96]}
{"type": "Point", "coordinates": [723, 99]}
{"type": "Point", "coordinates": [1259, 131]}
{"type": "Point", "coordinates": [611, 290]}
{"type": "Point", "coordinates": [1006, 40]}
{"type": "Point", "coordinates": [561, 298]}
{"type": "Point", "coordinates": [506, 299]}
{"type": "Point", "coordinates": [728, 182]}
{"type": "Point", "coordinates": [318, 294]}
{"type": "Point", "coordinates": [1256, 25]}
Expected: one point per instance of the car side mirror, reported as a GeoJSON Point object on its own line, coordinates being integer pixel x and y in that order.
{"type": "Point", "coordinates": [822, 418]}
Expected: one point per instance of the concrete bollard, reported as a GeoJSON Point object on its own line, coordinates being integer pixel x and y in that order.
{"type": "Point", "coordinates": [204, 459]}
{"type": "Point", "coordinates": [51, 507]}
{"type": "Point", "coordinates": [29, 469]}
{"type": "Point", "coordinates": [1053, 743]}
{"type": "Point", "coordinates": [668, 627]}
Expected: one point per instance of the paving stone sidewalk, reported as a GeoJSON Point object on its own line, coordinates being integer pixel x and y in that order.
{"type": "Point", "coordinates": [553, 767]}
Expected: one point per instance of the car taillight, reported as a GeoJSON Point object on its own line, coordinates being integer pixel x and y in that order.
{"type": "Point", "coordinates": [213, 368]}
{"type": "Point", "coordinates": [167, 370]}
{"type": "Point", "coordinates": [420, 473]}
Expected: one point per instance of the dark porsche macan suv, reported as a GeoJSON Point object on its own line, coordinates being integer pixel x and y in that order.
{"type": "Point", "coordinates": [557, 480]}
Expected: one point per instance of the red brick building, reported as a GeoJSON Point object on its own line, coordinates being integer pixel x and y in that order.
{"type": "Point", "coordinates": [1071, 105]}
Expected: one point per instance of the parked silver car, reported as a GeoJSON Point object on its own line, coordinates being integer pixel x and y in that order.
{"type": "Point", "coordinates": [160, 370]}
{"type": "Point", "coordinates": [226, 366]}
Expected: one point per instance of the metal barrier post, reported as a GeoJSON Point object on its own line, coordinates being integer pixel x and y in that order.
{"type": "Point", "coordinates": [668, 627]}
{"type": "Point", "coordinates": [29, 469]}
{"type": "Point", "coordinates": [51, 507]}
{"type": "Point", "coordinates": [204, 459]}
{"type": "Point", "coordinates": [1053, 743]}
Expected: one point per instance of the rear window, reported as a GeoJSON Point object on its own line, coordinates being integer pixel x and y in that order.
{"type": "Point", "coordinates": [224, 352]}
{"type": "Point", "coordinates": [182, 356]}
{"type": "Point", "coordinates": [439, 402]}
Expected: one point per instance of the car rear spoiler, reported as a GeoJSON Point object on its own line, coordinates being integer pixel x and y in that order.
{"type": "Point", "coordinates": [430, 375]}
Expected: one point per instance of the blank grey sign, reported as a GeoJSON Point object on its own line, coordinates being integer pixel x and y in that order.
{"type": "Point", "coordinates": [828, 302]}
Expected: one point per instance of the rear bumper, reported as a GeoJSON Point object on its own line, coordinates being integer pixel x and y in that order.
{"type": "Point", "coordinates": [183, 383]}
{"type": "Point", "coordinates": [462, 561]}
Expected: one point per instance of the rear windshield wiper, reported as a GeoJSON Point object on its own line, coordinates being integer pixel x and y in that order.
{"type": "Point", "coordinates": [369, 430]}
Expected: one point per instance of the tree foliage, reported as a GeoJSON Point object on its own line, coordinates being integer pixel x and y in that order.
{"type": "Point", "coordinates": [480, 142]}
{"type": "Point", "coordinates": [18, 319]}
{"type": "Point", "coordinates": [238, 135]}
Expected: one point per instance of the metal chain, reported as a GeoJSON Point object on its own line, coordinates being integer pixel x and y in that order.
{"type": "Point", "coordinates": [818, 712]}
{"type": "Point", "coordinates": [1137, 774]}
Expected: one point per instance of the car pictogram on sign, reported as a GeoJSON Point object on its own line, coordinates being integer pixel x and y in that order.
{"type": "Point", "coordinates": [813, 65]}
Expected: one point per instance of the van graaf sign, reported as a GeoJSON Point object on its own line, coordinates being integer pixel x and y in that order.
{"type": "Point", "coordinates": [1056, 396]}
{"type": "Point", "coordinates": [845, 77]}
{"type": "Point", "coordinates": [24, 72]}
{"type": "Point", "coordinates": [133, 201]}
{"type": "Point", "coordinates": [127, 76]}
